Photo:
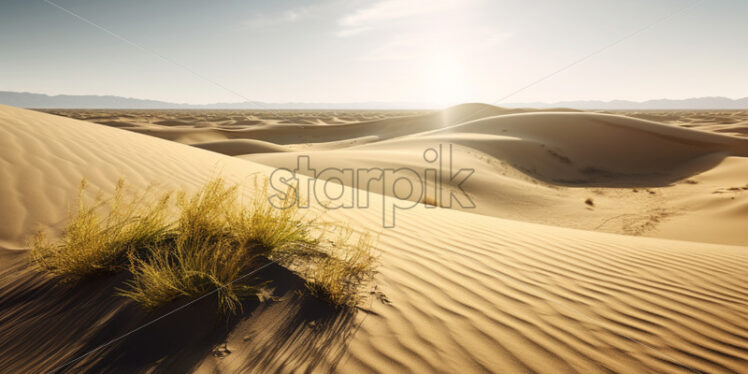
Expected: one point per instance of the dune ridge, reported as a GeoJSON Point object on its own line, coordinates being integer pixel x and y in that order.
{"type": "Point", "coordinates": [457, 292]}
{"type": "Point", "coordinates": [640, 171]}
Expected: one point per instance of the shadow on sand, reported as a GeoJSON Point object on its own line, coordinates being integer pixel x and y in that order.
{"type": "Point", "coordinates": [51, 327]}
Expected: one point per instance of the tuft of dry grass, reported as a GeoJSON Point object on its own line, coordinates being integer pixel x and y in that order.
{"type": "Point", "coordinates": [214, 241]}
{"type": "Point", "coordinates": [336, 271]}
{"type": "Point", "coordinates": [191, 268]}
{"type": "Point", "coordinates": [335, 261]}
{"type": "Point", "coordinates": [201, 255]}
{"type": "Point", "coordinates": [272, 227]}
{"type": "Point", "coordinates": [94, 242]}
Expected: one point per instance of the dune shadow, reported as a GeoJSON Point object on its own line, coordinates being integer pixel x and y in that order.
{"type": "Point", "coordinates": [51, 327]}
{"type": "Point", "coordinates": [595, 177]}
{"type": "Point", "coordinates": [306, 335]}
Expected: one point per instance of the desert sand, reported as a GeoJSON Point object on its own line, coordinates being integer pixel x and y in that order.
{"type": "Point", "coordinates": [599, 242]}
{"type": "Point", "coordinates": [646, 173]}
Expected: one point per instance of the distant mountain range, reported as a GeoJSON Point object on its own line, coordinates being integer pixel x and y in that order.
{"type": "Point", "coordinates": [42, 101]}
{"type": "Point", "coordinates": [692, 103]}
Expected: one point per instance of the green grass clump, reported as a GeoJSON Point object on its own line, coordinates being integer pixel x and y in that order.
{"type": "Point", "coordinates": [213, 242]}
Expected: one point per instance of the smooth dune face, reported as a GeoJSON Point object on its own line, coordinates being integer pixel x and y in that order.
{"type": "Point", "coordinates": [456, 291]}
{"type": "Point", "coordinates": [641, 176]}
{"type": "Point", "coordinates": [541, 167]}
{"type": "Point", "coordinates": [240, 147]}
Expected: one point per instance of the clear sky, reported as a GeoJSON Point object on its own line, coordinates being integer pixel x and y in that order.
{"type": "Point", "coordinates": [436, 51]}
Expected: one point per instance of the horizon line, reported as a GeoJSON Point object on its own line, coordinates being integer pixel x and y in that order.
{"type": "Point", "coordinates": [398, 104]}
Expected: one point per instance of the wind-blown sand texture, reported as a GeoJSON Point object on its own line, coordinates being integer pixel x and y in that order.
{"type": "Point", "coordinates": [643, 178]}
{"type": "Point", "coordinates": [457, 292]}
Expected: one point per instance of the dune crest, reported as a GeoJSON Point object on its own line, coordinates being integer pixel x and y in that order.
{"type": "Point", "coordinates": [634, 173]}
{"type": "Point", "coordinates": [457, 292]}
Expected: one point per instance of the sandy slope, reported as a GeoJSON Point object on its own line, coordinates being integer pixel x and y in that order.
{"type": "Point", "coordinates": [457, 292]}
{"type": "Point", "coordinates": [541, 167]}
{"type": "Point", "coordinates": [530, 165]}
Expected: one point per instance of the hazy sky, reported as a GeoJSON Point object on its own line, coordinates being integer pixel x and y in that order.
{"type": "Point", "coordinates": [443, 51]}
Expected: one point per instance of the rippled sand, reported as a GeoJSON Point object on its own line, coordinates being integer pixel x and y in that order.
{"type": "Point", "coordinates": [457, 291]}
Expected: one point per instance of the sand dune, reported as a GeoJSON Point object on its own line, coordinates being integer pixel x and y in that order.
{"type": "Point", "coordinates": [456, 292]}
{"type": "Point", "coordinates": [240, 147]}
{"type": "Point", "coordinates": [284, 128]}
{"type": "Point", "coordinates": [535, 166]}
{"type": "Point", "coordinates": [541, 167]}
{"type": "Point", "coordinates": [731, 122]}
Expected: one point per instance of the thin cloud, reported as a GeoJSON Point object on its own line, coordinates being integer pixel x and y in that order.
{"type": "Point", "coordinates": [259, 21]}
{"type": "Point", "coordinates": [467, 42]}
{"type": "Point", "coordinates": [367, 18]}
{"type": "Point", "coordinates": [346, 32]}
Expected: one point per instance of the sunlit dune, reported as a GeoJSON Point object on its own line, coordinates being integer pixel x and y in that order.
{"type": "Point", "coordinates": [566, 263]}
{"type": "Point", "coordinates": [648, 172]}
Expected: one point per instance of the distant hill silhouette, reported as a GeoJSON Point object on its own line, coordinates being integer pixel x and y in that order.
{"type": "Point", "coordinates": [34, 100]}
{"type": "Point", "coordinates": [42, 101]}
{"type": "Point", "coordinates": [692, 103]}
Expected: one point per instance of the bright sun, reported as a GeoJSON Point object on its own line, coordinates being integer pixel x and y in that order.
{"type": "Point", "coordinates": [444, 81]}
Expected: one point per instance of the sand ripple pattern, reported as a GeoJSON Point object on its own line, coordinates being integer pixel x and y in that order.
{"type": "Point", "coordinates": [460, 293]}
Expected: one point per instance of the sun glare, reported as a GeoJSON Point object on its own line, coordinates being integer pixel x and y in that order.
{"type": "Point", "coordinates": [444, 80]}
